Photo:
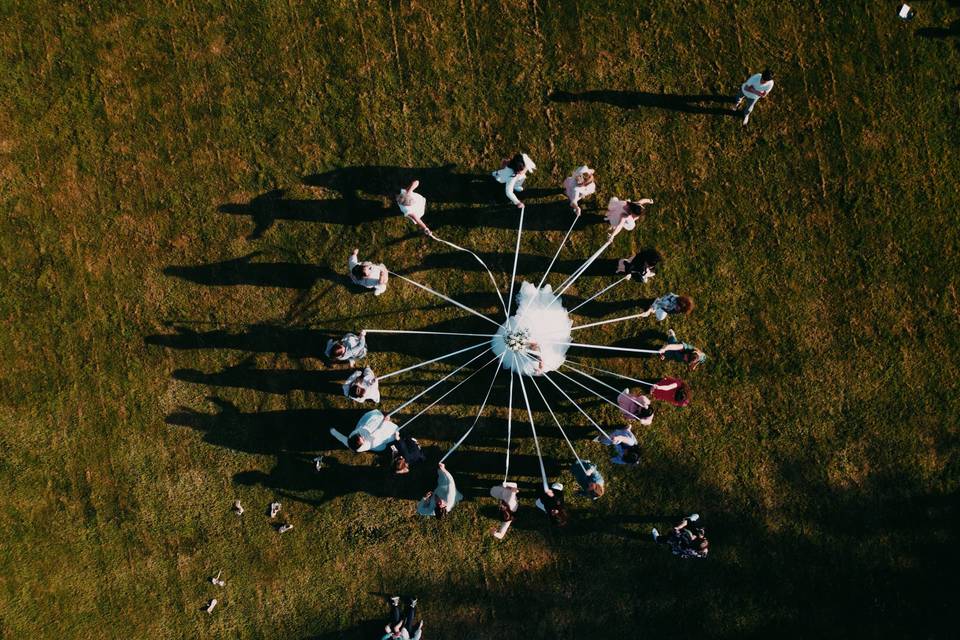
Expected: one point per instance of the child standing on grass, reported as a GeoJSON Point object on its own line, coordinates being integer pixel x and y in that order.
{"type": "Point", "coordinates": [757, 86]}
{"type": "Point", "coordinates": [578, 186]}
{"type": "Point", "coordinates": [414, 206]}
{"type": "Point", "coordinates": [512, 174]}
{"type": "Point", "coordinates": [623, 214]}
{"type": "Point", "coordinates": [682, 352]}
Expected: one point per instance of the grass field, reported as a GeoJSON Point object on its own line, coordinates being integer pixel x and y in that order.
{"type": "Point", "coordinates": [181, 184]}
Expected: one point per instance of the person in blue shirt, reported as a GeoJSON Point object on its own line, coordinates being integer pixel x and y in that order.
{"type": "Point", "coordinates": [589, 479]}
{"type": "Point", "coordinates": [682, 352]}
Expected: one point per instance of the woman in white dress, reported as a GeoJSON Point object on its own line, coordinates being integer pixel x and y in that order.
{"type": "Point", "coordinates": [536, 339]}
{"type": "Point", "coordinates": [506, 494]}
{"type": "Point", "coordinates": [442, 499]}
{"type": "Point", "coordinates": [579, 186]}
{"type": "Point", "coordinates": [512, 174]}
{"type": "Point", "coordinates": [414, 206]}
{"type": "Point", "coordinates": [623, 214]}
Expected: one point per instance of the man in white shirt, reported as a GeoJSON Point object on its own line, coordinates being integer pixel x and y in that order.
{"type": "Point", "coordinates": [374, 432]}
{"type": "Point", "coordinates": [367, 274]}
{"type": "Point", "coordinates": [757, 86]}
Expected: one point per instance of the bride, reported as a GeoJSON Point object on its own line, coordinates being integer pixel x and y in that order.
{"type": "Point", "coordinates": [535, 338]}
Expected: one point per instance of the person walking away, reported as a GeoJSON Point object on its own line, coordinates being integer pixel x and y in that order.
{"type": "Point", "coordinates": [757, 86]}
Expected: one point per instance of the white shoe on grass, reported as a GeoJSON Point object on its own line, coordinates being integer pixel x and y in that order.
{"type": "Point", "coordinates": [746, 119]}
{"type": "Point", "coordinates": [655, 533]}
{"type": "Point", "coordinates": [274, 509]}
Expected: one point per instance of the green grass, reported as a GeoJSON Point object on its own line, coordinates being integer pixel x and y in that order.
{"type": "Point", "coordinates": [820, 244]}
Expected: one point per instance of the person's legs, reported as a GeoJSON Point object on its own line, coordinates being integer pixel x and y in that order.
{"type": "Point", "coordinates": [411, 613]}
{"type": "Point", "coordinates": [394, 612]}
{"type": "Point", "coordinates": [751, 103]}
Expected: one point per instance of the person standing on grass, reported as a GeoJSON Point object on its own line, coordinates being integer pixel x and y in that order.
{"type": "Point", "coordinates": [757, 86]}
{"type": "Point", "coordinates": [684, 540]}
{"type": "Point", "coordinates": [414, 206]}
{"type": "Point", "coordinates": [578, 186]}
{"type": "Point", "coordinates": [401, 626]}
{"type": "Point", "coordinates": [550, 501]}
{"type": "Point", "coordinates": [636, 407]}
{"type": "Point", "coordinates": [512, 174]}
{"type": "Point", "coordinates": [443, 498]}
{"type": "Point", "coordinates": [625, 443]}
{"type": "Point", "coordinates": [367, 274]}
{"type": "Point", "coordinates": [349, 348]}
{"type": "Point", "coordinates": [374, 432]}
{"type": "Point", "coordinates": [506, 494]}
{"type": "Point", "coordinates": [669, 304]}
{"type": "Point", "coordinates": [623, 214]}
{"type": "Point", "coordinates": [362, 385]}
{"type": "Point", "coordinates": [673, 391]}
{"type": "Point", "coordinates": [405, 453]}
{"type": "Point", "coordinates": [589, 478]}
{"type": "Point", "coordinates": [682, 352]}
{"type": "Point", "coordinates": [642, 267]}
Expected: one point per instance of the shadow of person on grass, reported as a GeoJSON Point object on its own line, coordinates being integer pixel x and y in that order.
{"type": "Point", "coordinates": [643, 99]}
{"type": "Point", "coordinates": [245, 271]}
{"type": "Point", "coordinates": [271, 206]}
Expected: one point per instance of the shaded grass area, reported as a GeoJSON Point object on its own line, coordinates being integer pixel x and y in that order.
{"type": "Point", "coordinates": [181, 186]}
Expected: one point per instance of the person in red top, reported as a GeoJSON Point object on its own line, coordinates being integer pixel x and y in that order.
{"type": "Point", "coordinates": [672, 390]}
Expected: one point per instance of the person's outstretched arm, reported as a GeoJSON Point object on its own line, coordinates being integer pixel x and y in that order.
{"type": "Point", "coordinates": [508, 189]}
{"type": "Point", "coordinates": [676, 346]}
{"type": "Point", "coordinates": [666, 387]}
{"type": "Point", "coordinates": [353, 261]}
{"type": "Point", "coordinates": [339, 436]}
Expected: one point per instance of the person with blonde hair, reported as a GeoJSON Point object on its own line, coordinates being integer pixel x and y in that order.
{"type": "Point", "coordinates": [512, 174]}
{"type": "Point", "coordinates": [579, 185]}
{"type": "Point", "coordinates": [623, 214]}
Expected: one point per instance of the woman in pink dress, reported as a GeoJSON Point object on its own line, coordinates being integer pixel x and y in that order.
{"type": "Point", "coordinates": [635, 407]}
{"type": "Point", "coordinates": [623, 214]}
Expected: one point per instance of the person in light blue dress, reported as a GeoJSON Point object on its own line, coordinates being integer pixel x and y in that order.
{"type": "Point", "coordinates": [589, 478]}
{"type": "Point", "coordinates": [442, 499]}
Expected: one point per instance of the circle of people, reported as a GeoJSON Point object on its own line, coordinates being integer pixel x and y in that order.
{"type": "Point", "coordinates": [376, 432]}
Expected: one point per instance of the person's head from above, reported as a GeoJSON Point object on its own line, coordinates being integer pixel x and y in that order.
{"type": "Point", "coordinates": [400, 465]}
{"type": "Point", "coordinates": [631, 455]}
{"type": "Point", "coordinates": [766, 76]}
{"type": "Point", "coordinates": [357, 390]}
{"type": "Point", "coordinates": [558, 516]}
{"type": "Point", "coordinates": [517, 163]}
{"type": "Point", "coordinates": [339, 350]}
{"type": "Point", "coordinates": [595, 489]}
{"type": "Point", "coordinates": [649, 257]}
{"type": "Point", "coordinates": [692, 357]}
{"type": "Point", "coordinates": [355, 441]}
{"type": "Point", "coordinates": [682, 394]}
{"type": "Point", "coordinates": [506, 515]}
{"type": "Point", "coordinates": [358, 271]}
{"type": "Point", "coordinates": [440, 508]}
{"type": "Point", "coordinates": [645, 412]}
{"type": "Point", "coordinates": [685, 304]}
{"type": "Point", "coordinates": [634, 209]}
{"type": "Point", "coordinates": [584, 177]}
{"type": "Point", "coordinates": [699, 532]}
{"type": "Point", "coordinates": [703, 546]}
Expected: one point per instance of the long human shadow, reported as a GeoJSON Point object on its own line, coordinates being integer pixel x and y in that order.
{"type": "Point", "coordinates": [266, 432]}
{"type": "Point", "coordinates": [266, 208]}
{"type": "Point", "coordinates": [244, 271]}
{"type": "Point", "coordinates": [442, 184]}
{"type": "Point", "coordinates": [940, 33]}
{"type": "Point", "coordinates": [642, 99]}
{"type": "Point", "coordinates": [278, 381]}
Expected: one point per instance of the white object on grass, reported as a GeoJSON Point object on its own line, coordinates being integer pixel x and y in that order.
{"type": "Point", "coordinates": [237, 507]}
{"type": "Point", "coordinates": [211, 605]}
{"type": "Point", "coordinates": [905, 12]}
{"type": "Point", "coordinates": [285, 527]}
{"type": "Point", "coordinates": [274, 509]}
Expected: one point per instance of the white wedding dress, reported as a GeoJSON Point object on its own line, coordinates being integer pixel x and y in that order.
{"type": "Point", "coordinates": [539, 332]}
